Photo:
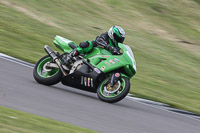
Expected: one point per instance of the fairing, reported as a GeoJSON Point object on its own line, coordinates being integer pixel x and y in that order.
{"type": "Point", "coordinates": [103, 59]}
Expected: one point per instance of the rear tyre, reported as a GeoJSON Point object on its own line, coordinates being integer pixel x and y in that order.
{"type": "Point", "coordinates": [113, 94]}
{"type": "Point", "coordinates": [46, 76]}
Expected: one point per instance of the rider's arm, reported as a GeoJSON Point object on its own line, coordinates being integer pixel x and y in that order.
{"type": "Point", "coordinates": [102, 41]}
{"type": "Point", "coordinates": [87, 46]}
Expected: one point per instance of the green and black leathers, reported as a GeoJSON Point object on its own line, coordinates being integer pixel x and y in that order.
{"type": "Point", "coordinates": [102, 41]}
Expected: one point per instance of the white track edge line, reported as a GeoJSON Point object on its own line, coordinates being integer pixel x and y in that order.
{"type": "Point", "coordinates": [13, 60]}
{"type": "Point", "coordinates": [157, 107]}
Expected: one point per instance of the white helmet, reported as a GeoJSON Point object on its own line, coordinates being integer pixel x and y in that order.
{"type": "Point", "coordinates": [116, 33]}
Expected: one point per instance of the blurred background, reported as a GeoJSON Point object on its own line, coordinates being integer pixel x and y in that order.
{"type": "Point", "coordinates": [163, 34]}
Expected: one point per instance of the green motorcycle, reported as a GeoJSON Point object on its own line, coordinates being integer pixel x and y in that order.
{"type": "Point", "coordinates": [98, 71]}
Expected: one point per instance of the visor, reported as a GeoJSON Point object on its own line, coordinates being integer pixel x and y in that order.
{"type": "Point", "coordinates": [118, 39]}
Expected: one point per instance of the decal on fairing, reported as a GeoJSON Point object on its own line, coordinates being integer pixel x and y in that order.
{"type": "Point", "coordinates": [88, 81]}
{"type": "Point", "coordinates": [91, 82]}
{"type": "Point", "coordinates": [97, 70]}
{"type": "Point", "coordinates": [81, 80]}
{"type": "Point", "coordinates": [103, 68]}
{"type": "Point", "coordinates": [85, 81]}
{"type": "Point", "coordinates": [111, 61]}
{"type": "Point", "coordinates": [115, 59]}
{"type": "Point", "coordinates": [107, 63]}
{"type": "Point", "coordinates": [105, 56]}
{"type": "Point", "coordinates": [117, 75]}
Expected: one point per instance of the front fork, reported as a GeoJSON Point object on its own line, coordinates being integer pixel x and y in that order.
{"type": "Point", "coordinates": [55, 58]}
{"type": "Point", "coordinates": [115, 77]}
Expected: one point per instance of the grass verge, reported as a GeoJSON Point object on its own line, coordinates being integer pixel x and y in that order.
{"type": "Point", "coordinates": [17, 121]}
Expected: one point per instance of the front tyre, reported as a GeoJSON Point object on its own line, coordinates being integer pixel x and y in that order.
{"type": "Point", "coordinates": [113, 94]}
{"type": "Point", "coordinates": [46, 76]}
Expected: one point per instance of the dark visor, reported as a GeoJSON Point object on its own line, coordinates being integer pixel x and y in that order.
{"type": "Point", "coordinates": [118, 39]}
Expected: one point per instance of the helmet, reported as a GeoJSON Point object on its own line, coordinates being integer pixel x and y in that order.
{"type": "Point", "coordinates": [116, 33]}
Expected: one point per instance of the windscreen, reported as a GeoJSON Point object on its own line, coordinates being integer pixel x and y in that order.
{"type": "Point", "coordinates": [130, 53]}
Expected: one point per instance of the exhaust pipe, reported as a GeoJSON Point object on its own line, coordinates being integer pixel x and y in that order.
{"type": "Point", "coordinates": [55, 58]}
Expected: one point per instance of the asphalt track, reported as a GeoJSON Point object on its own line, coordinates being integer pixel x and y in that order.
{"type": "Point", "coordinates": [18, 90]}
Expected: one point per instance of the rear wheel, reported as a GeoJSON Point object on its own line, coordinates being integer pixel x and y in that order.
{"type": "Point", "coordinates": [113, 94]}
{"type": "Point", "coordinates": [44, 75]}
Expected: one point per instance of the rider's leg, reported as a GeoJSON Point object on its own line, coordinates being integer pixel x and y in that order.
{"type": "Point", "coordinates": [83, 48]}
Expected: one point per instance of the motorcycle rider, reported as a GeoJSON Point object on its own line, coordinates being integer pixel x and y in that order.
{"type": "Point", "coordinates": [108, 40]}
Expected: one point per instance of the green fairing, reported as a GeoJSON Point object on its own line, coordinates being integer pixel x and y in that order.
{"type": "Point", "coordinates": [103, 59]}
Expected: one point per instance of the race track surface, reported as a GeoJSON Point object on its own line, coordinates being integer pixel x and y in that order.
{"type": "Point", "coordinates": [18, 90]}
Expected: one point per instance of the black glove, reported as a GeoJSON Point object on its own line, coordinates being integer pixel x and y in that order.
{"type": "Point", "coordinates": [114, 50]}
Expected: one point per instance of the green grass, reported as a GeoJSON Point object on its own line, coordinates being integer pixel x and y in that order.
{"type": "Point", "coordinates": [164, 36]}
{"type": "Point", "coordinates": [12, 121]}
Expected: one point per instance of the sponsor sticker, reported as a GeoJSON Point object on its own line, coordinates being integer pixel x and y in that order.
{"type": "Point", "coordinates": [91, 82]}
{"type": "Point", "coordinates": [111, 61]}
{"type": "Point", "coordinates": [88, 81]}
{"type": "Point", "coordinates": [85, 81]}
{"type": "Point", "coordinates": [60, 41]}
{"type": "Point", "coordinates": [81, 80]}
{"type": "Point", "coordinates": [97, 70]}
{"type": "Point", "coordinates": [115, 59]}
{"type": "Point", "coordinates": [105, 56]}
{"type": "Point", "coordinates": [107, 63]}
{"type": "Point", "coordinates": [103, 68]}
{"type": "Point", "coordinates": [117, 75]}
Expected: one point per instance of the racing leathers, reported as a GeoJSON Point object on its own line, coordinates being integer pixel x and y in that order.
{"type": "Point", "coordinates": [102, 41]}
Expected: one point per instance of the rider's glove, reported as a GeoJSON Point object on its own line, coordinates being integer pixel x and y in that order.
{"type": "Point", "coordinates": [114, 50]}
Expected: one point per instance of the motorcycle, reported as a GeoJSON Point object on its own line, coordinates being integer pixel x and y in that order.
{"type": "Point", "coordinates": [98, 71]}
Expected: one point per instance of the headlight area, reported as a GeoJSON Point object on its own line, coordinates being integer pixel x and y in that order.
{"type": "Point", "coordinates": [129, 71]}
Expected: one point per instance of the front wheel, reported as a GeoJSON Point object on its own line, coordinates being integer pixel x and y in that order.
{"type": "Point", "coordinates": [113, 94]}
{"type": "Point", "coordinates": [44, 75]}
